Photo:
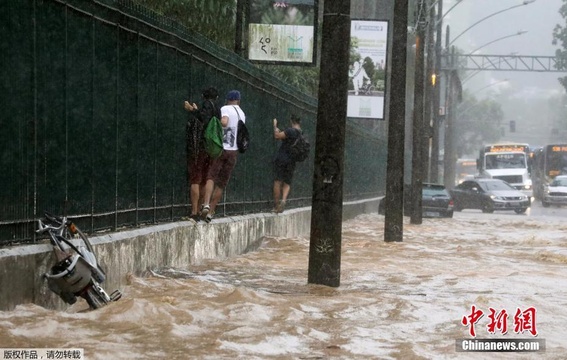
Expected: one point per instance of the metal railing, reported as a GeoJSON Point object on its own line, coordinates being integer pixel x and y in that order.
{"type": "Point", "coordinates": [93, 125]}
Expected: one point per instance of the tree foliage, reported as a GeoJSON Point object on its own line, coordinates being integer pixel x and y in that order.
{"type": "Point", "coordinates": [216, 20]}
{"type": "Point", "coordinates": [477, 122]}
{"type": "Point", "coordinates": [560, 37]}
{"type": "Point", "coordinates": [265, 12]}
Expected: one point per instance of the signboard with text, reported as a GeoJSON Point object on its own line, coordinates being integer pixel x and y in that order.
{"type": "Point", "coordinates": [367, 69]}
{"type": "Point", "coordinates": [283, 32]}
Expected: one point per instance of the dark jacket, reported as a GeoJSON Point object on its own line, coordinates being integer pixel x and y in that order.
{"type": "Point", "coordinates": [197, 124]}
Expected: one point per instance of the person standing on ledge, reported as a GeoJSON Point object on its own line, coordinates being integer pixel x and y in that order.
{"type": "Point", "coordinates": [284, 165]}
{"type": "Point", "coordinates": [198, 159]}
{"type": "Point", "coordinates": [221, 168]}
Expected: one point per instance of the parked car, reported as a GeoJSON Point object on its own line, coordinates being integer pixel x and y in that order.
{"type": "Point", "coordinates": [489, 195]}
{"type": "Point", "coordinates": [435, 202]}
{"type": "Point", "coordinates": [556, 192]}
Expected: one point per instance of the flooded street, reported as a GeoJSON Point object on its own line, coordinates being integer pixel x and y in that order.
{"type": "Point", "coordinates": [396, 300]}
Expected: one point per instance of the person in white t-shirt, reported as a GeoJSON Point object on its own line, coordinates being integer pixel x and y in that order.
{"type": "Point", "coordinates": [221, 168]}
{"type": "Point", "coordinates": [358, 75]}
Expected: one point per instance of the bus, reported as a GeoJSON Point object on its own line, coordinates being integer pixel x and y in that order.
{"type": "Point", "coordinates": [465, 169]}
{"type": "Point", "coordinates": [549, 161]}
{"type": "Point", "coordinates": [509, 162]}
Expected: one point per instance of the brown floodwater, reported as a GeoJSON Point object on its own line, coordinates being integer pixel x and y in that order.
{"type": "Point", "coordinates": [396, 300]}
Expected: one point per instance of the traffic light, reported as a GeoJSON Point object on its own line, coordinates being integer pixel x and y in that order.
{"type": "Point", "coordinates": [512, 126]}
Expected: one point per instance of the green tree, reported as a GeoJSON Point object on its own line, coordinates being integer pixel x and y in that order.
{"type": "Point", "coordinates": [265, 12]}
{"type": "Point", "coordinates": [558, 106]}
{"type": "Point", "coordinates": [476, 122]}
{"type": "Point", "coordinates": [305, 79]}
{"type": "Point", "coordinates": [560, 37]}
{"type": "Point", "coordinates": [369, 67]}
{"type": "Point", "coordinates": [354, 55]}
{"type": "Point", "coordinates": [216, 20]}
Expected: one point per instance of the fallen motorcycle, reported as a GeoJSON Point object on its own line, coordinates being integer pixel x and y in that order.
{"type": "Point", "coordinates": [76, 272]}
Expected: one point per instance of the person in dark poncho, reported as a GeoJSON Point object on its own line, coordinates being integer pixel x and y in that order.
{"type": "Point", "coordinates": [198, 159]}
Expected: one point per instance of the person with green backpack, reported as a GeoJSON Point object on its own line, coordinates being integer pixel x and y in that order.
{"type": "Point", "coordinates": [221, 168]}
{"type": "Point", "coordinates": [199, 159]}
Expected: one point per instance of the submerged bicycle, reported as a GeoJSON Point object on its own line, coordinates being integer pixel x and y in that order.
{"type": "Point", "coordinates": [76, 273]}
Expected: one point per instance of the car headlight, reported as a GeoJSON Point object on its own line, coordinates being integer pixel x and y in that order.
{"type": "Point", "coordinates": [527, 187]}
{"type": "Point", "coordinates": [494, 197]}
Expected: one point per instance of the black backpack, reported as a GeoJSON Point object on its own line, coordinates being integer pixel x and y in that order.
{"type": "Point", "coordinates": [299, 150]}
{"type": "Point", "coordinates": [242, 135]}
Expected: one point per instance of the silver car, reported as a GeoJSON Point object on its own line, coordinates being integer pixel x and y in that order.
{"type": "Point", "coordinates": [556, 192]}
{"type": "Point", "coordinates": [489, 195]}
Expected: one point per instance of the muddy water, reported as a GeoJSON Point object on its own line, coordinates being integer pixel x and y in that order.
{"type": "Point", "coordinates": [396, 300]}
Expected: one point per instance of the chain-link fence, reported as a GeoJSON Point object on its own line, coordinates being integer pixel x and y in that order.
{"type": "Point", "coordinates": [93, 124]}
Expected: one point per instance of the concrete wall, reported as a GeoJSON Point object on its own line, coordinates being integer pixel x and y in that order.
{"type": "Point", "coordinates": [169, 245]}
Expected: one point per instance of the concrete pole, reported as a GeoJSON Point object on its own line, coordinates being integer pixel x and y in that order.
{"type": "Point", "coordinates": [449, 158]}
{"type": "Point", "coordinates": [429, 92]}
{"type": "Point", "coordinates": [327, 198]}
{"type": "Point", "coordinates": [418, 129]}
{"type": "Point", "coordinates": [393, 223]}
{"type": "Point", "coordinates": [434, 162]}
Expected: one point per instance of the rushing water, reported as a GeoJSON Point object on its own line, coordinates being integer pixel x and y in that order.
{"type": "Point", "coordinates": [396, 300]}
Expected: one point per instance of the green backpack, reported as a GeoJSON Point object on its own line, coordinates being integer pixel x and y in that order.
{"type": "Point", "coordinates": [213, 138]}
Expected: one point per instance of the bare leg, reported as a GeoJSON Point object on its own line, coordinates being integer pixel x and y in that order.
{"type": "Point", "coordinates": [201, 194]}
{"type": "Point", "coordinates": [209, 187]}
{"type": "Point", "coordinates": [195, 196]}
{"type": "Point", "coordinates": [286, 189]}
{"type": "Point", "coordinates": [277, 192]}
{"type": "Point", "coordinates": [217, 194]}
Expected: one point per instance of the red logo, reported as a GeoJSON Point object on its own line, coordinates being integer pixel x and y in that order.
{"type": "Point", "coordinates": [498, 321]}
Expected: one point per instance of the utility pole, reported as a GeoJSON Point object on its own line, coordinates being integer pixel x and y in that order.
{"type": "Point", "coordinates": [434, 162]}
{"type": "Point", "coordinates": [394, 221]}
{"type": "Point", "coordinates": [239, 36]}
{"type": "Point", "coordinates": [327, 198]}
{"type": "Point", "coordinates": [429, 87]}
{"type": "Point", "coordinates": [449, 157]}
{"type": "Point", "coordinates": [417, 133]}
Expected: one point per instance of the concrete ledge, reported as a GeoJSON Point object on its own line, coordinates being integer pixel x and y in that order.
{"type": "Point", "coordinates": [166, 245]}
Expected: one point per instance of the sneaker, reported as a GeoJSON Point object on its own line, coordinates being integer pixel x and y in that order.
{"type": "Point", "coordinates": [192, 218]}
{"type": "Point", "coordinates": [205, 211]}
{"type": "Point", "coordinates": [209, 218]}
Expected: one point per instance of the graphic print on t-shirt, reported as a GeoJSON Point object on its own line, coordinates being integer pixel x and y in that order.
{"type": "Point", "coordinates": [229, 137]}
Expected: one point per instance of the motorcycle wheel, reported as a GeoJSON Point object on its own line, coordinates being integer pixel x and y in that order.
{"type": "Point", "coordinates": [96, 297]}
